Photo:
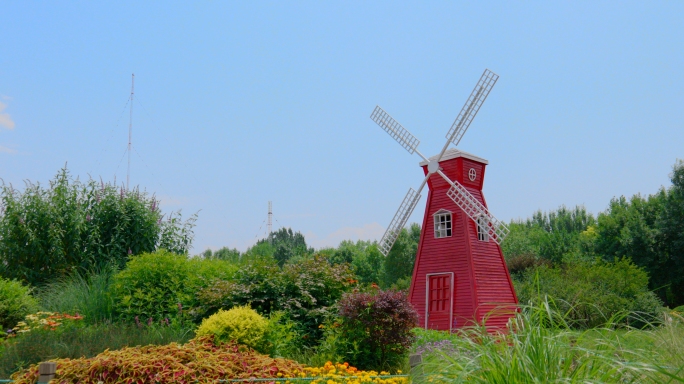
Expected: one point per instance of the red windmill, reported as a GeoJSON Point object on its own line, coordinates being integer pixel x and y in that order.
{"type": "Point", "coordinates": [460, 276]}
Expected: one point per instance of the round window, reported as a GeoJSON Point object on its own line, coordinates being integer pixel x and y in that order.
{"type": "Point", "coordinates": [472, 174]}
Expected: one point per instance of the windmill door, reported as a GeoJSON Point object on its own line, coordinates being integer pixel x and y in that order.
{"type": "Point", "coordinates": [439, 300]}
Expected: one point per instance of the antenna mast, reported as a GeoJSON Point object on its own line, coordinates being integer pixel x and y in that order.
{"type": "Point", "coordinates": [270, 215]}
{"type": "Point", "coordinates": [130, 132]}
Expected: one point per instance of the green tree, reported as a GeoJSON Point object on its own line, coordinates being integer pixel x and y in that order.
{"type": "Point", "coordinates": [650, 231]}
{"type": "Point", "coordinates": [671, 225]}
{"type": "Point", "coordinates": [402, 256]}
{"type": "Point", "coordinates": [70, 225]}
{"type": "Point", "coordinates": [364, 257]}
{"type": "Point", "coordinates": [286, 244]}
{"type": "Point", "coordinates": [553, 235]}
{"type": "Point", "coordinates": [231, 255]}
{"type": "Point", "coordinates": [369, 264]}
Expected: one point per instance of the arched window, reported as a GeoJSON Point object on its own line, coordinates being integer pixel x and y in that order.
{"type": "Point", "coordinates": [442, 220]}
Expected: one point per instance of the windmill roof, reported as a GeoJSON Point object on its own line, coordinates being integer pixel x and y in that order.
{"type": "Point", "coordinates": [453, 153]}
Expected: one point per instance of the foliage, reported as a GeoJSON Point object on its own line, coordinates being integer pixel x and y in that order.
{"type": "Point", "coordinates": [402, 256]}
{"type": "Point", "coordinates": [262, 250]}
{"type": "Point", "coordinates": [311, 289]}
{"type": "Point", "coordinates": [520, 263]}
{"type": "Point", "coordinates": [198, 361]}
{"type": "Point", "coordinates": [159, 285]}
{"type": "Point", "coordinates": [15, 302]}
{"type": "Point", "coordinates": [671, 224]}
{"type": "Point", "coordinates": [540, 348]}
{"type": "Point", "coordinates": [226, 254]}
{"type": "Point", "coordinates": [365, 258]}
{"type": "Point", "coordinates": [600, 292]}
{"type": "Point", "coordinates": [75, 342]}
{"type": "Point", "coordinates": [282, 339]}
{"type": "Point", "coordinates": [650, 230]}
{"type": "Point", "coordinates": [241, 325]}
{"type": "Point", "coordinates": [552, 236]}
{"type": "Point", "coordinates": [403, 284]}
{"type": "Point", "coordinates": [286, 244]}
{"type": "Point", "coordinates": [376, 328]}
{"type": "Point", "coordinates": [257, 284]}
{"type": "Point", "coordinates": [306, 291]}
{"type": "Point", "coordinates": [51, 232]}
{"type": "Point", "coordinates": [87, 294]}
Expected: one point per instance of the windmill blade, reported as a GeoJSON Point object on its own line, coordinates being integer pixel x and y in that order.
{"type": "Point", "coordinates": [495, 229]}
{"type": "Point", "coordinates": [398, 222]}
{"type": "Point", "coordinates": [400, 218]}
{"type": "Point", "coordinates": [470, 109]}
{"type": "Point", "coordinates": [396, 130]}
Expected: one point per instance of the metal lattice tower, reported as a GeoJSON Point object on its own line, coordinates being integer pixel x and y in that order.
{"type": "Point", "coordinates": [130, 133]}
{"type": "Point", "coordinates": [270, 217]}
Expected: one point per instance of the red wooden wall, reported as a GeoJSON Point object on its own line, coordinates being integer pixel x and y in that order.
{"type": "Point", "coordinates": [482, 285]}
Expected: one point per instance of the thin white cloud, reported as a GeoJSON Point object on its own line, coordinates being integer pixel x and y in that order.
{"type": "Point", "coordinates": [372, 231]}
{"type": "Point", "coordinates": [7, 150]}
{"type": "Point", "coordinates": [5, 118]}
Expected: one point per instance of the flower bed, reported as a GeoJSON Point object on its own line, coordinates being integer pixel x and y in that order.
{"type": "Point", "coordinates": [198, 361]}
{"type": "Point", "coordinates": [344, 373]}
{"type": "Point", "coordinates": [46, 320]}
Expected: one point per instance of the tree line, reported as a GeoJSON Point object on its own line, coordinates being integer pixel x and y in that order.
{"type": "Point", "coordinates": [73, 225]}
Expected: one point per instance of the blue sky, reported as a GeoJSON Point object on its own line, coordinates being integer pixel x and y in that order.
{"type": "Point", "coordinates": [239, 103]}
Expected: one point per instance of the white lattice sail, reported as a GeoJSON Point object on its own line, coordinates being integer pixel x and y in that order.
{"type": "Point", "coordinates": [396, 130]}
{"type": "Point", "coordinates": [496, 230]}
{"type": "Point", "coordinates": [399, 220]}
{"type": "Point", "coordinates": [472, 106]}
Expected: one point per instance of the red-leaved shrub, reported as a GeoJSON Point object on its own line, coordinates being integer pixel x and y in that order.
{"type": "Point", "coordinates": [376, 328]}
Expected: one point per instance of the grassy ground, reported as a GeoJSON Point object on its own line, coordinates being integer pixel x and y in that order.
{"type": "Point", "coordinates": [554, 353]}
{"type": "Point", "coordinates": [543, 349]}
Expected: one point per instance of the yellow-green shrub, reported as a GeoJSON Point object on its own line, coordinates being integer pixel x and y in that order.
{"type": "Point", "coordinates": [15, 302]}
{"type": "Point", "coordinates": [240, 324]}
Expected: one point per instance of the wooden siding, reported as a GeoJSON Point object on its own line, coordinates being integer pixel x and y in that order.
{"type": "Point", "coordinates": [483, 288]}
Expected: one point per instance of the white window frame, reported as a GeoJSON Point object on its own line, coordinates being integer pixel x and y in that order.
{"type": "Point", "coordinates": [443, 228]}
{"type": "Point", "coordinates": [482, 223]}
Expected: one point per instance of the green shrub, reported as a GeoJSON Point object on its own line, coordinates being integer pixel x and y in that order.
{"type": "Point", "coordinates": [375, 329]}
{"type": "Point", "coordinates": [257, 283]}
{"type": "Point", "coordinates": [282, 338]}
{"type": "Point", "coordinates": [593, 292]}
{"type": "Point", "coordinates": [70, 225]}
{"type": "Point", "coordinates": [306, 291]}
{"type": "Point", "coordinates": [157, 285]}
{"type": "Point", "coordinates": [520, 263]}
{"type": "Point", "coordinates": [15, 303]}
{"type": "Point", "coordinates": [242, 325]}
{"type": "Point", "coordinates": [311, 289]}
